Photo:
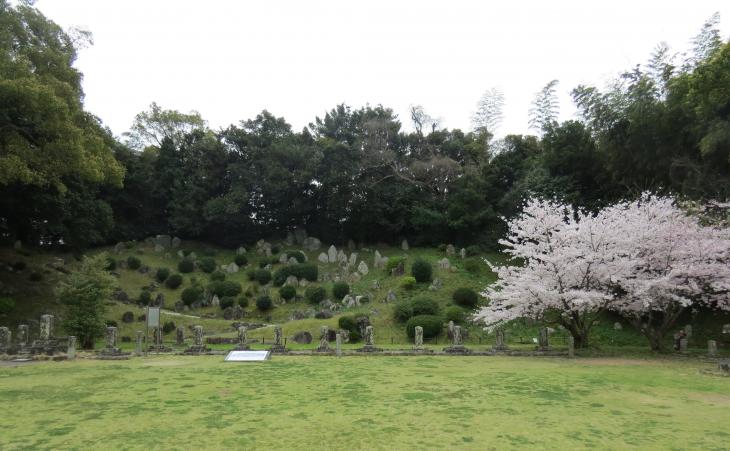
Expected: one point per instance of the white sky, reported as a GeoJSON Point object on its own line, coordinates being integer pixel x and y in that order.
{"type": "Point", "coordinates": [231, 59]}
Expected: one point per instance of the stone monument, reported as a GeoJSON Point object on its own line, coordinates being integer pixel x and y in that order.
{"type": "Point", "coordinates": [242, 346]}
{"type": "Point", "coordinates": [111, 351]}
{"type": "Point", "coordinates": [369, 341]}
{"type": "Point", "coordinates": [338, 345]}
{"type": "Point", "coordinates": [138, 348]}
{"type": "Point", "coordinates": [46, 343]}
{"type": "Point", "coordinates": [543, 343]}
{"type": "Point", "coordinates": [571, 346]}
{"type": "Point", "coordinates": [324, 345]}
{"type": "Point", "coordinates": [418, 341]}
{"type": "Point", "coordinates": [197, 347]}
{"type": "Point", "coordinates": [712, 348]}
{"type": "Point", "coordinates": [500, 341]}
{"type": "Point", "coordinates": [180, 336]}
{"type": "Point", "coordinates": [278, 347]}
{"type": "Point", "coordinates": [71, 352]}
{"type": "Point", "coordinates": [457, 343]}
{"type": "Point", "coordinates": [5, 339]}
{"type": "Point", "coordinates": [23, 338]}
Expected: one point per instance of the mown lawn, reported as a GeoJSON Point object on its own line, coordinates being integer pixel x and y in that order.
{"type": "Point", "coordinates": [364, 403]}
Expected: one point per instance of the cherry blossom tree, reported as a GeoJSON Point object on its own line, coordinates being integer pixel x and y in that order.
{"type": "Point", "coordinates": [676, 264]}
{"type": "Point", "coordinates": [648, 260]}
{"type": "Point", "coordinates": [561, 260]}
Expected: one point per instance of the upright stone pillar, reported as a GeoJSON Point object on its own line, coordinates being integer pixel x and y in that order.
{"type": "Point", "coordinates": [571, 346]}
{"type": "Point", "coordinates": [111, 350]}
{"type": "Point", "coordinates": [198, 347]}
{"type": "Point", "coordinates": [500, 341]}
{"type": "Point", "coordinates": [683, 345]}
{"type": "Point", "coordinates": [712, 348]}
{"type": "Point", "coordinates": [180, 336]}
{"type": "Point", "coordinates": [338, 344]}
{"type": "Point", "coordinates": [6, 339]}
{"type": "Point", "coordinates": [369, 341]}
{"type": "Point", "coordinates": [138, 348]}
{"type": "Point", "coordinates": [457, 343]}
{"type": "Point", "coordinates": [46, 327]}
{"type": "Point", "coordinates": [278, 347]}
{"type": "Point", "coordinates": [543, 343]}
{"type": "Point", "coordinates": [242, 333]}
{"type": "Point", "coordinates": [23, 337]}
{"type": "Point", "coordinates": [418, 342]}
{"type": "Point", "coordinates": [324, 345]}
{"type": "Point", "coordinates": [71, 352]}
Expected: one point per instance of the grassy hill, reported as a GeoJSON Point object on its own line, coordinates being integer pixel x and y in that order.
{"type": "Point", "coordinates": [29, 277]}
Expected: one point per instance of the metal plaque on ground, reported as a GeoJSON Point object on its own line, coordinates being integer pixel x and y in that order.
{"type": "Point", "coordinates": [248, 356]}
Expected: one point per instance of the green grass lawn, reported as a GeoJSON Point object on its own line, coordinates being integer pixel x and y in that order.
{"type": "Point", "coordinates": [371, 402]}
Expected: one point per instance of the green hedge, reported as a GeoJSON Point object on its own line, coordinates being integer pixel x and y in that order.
{"type": "Point", "coordinates": [306, 271]}
{"type": "Point", "coordinates": [432, 325]}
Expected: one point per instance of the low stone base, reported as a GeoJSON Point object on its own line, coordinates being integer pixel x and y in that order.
{"type": "Point", "coordinates": [539, 349]}
{"type": "Point", "coordinates": [49, 347]}
{"type": "Point", "coordinates": [500, 348]}
{"type": "Point", "coordinates": [457, 350]}
{"type": "Point", "coordinates": [278, 349]}
{"type": "Point", "coordinates": [422, 350]}
{"type": "Point", "coordinates": [196, 350]}
{"type": "Point", "coordinates": [325, 350]}
{"type": "Point", "coordinates": [159, 349]}
{"type": "Point", "coordinates": [123, 356]}
{"type": "Point", "coordinates": [369, 348]}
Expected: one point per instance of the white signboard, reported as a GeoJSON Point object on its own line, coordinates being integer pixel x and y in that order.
{"type": "Point", "coordinates": [248, 356]}
{"type": "Point", "coordinates": [153, 317]}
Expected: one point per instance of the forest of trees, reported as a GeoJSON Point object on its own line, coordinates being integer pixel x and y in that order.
{"type": "Point", "coordinates": [663, 126]}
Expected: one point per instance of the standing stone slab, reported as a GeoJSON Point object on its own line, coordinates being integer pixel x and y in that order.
{"type": "Point", "coordinates": [457, 343]}
{"type": "Point", "coordinates": [404, 245]}
{"type": "Point", "coordinates": [46, 327]}
{"type": "Point", "coordinates": [242, 333]}
{"type": "Point", "coordinates": [543, 343]}
{"type": "Point", "coordinates": [500, 342]}
{"type": "Point", "coordinates": [369, 341]}
{"type": "Point", "coordinates": [683, 345]}
{"type": "Point", "coordinates": [198, 347]}
{"type": "Point", "coordinates": [418, 343]}
{"type": "Point", "coordinates": [571, 346]}
{"type": "Point", "coordinates": [712, 348]}
{"type": "Point", "coordinates": [45, 344]}
{"type": "Point", "coordinates": [278, 347]}
{"type": "Point", "coordinates": [138, 347]}
{"type": "Point", "coordinates": [450, 249]}
{"type": "Point", "coordinates": [324, 345]}
{"type": "Point", "coordinates": [111, 351]}
{"type": "Point", "coordinates": [363, 268]}
{"type": "Point", "coordinates": [323, 258]}
{"type": "Point", "coordinates": [71, 351]}
{"type": "Point", "coordinates": [332, 254]}
{"type": "Point", "coordinates": [180, 336]}
{"type": "Point", "coordinates": [22, 337]}
{"type": "Point", "coordinates": [338, 345]}
{"type": "Point", "coordinates": [6, 338]}
{"type": "Point", "coordinates": [462, 253]}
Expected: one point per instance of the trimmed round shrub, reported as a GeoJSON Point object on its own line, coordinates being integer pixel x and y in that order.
{"type": "Point", "coordinates": [421, 270]}
{"type": "Point", "coordinates": [35, 276]}
{"type": "Point", "coordinates": [218, 276]}
{"type": "Point", "coordinates": [306, 271]}
{"type": "Point", "coordinates": [111, 264]}
{"type": "Point", "coordinates": [133, 262]}
{"type": "Point", "coordinates": [174, 281]}
{"type": "Point", "coordinates": [275, 249]}
{"type": "Point", "coordinates": [240, 260]}
{"type": "Point", "coordinates": [251, 274]}
{"type": "Point", "coordinates": [340, 290]}
{"type": "Point", "coordinates": [287, 292]}
{"type": "Point", "coordinates": [455, 314]}
{"type": "Point", "coordinates": [298, 255]}
{"type": "Point", "coordinates": [110, 323]}
{"type": "Point", "coordinates": [473, 265]}
{"type": "Point", "coordinates": [432, 325]}
{"type": "Point", "coordinates": [162, 274]}
{"type": "Point", "coordinates": [465, 297]}
{"type": "Point", "coordinates": [404, 310]}
{"type": "Point", "coordinates": [191, 295]}
{"type": "Point", "coordinates": [473, 250]}
{"type": "Point", "coordinates": [315, 294]}
{"type": "Point", "coordinates": [264, 303]}
{"type": "Point", "coordinates": [168, 327]}
{"type": "Point", "coordinates": [6, 305]}
{"type": "Point", "coordinates": [349, 323]}
{"type": "Point", "coordinates": [207, 264]}
{"type": "Point", "coordinates": [185, 266]}
{"type": "Point", "coordinates": [145, 297]}
{"type": "Point", "coordinates": [227, 301]}
{"type": "Point", "coordinates": [224, 288]}
{"type": "Point", "coordinates": [393, 263]}
{"type": "Point", "coordinates": [263, 276]}
{"type": "Point", "coordinates": [408, 282]}
{"type": "Point", "coordinates": [243, 301]}
{"type": "Point", "coordinates": [128, 317]}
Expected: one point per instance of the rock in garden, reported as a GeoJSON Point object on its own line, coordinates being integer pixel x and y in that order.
{"type": "Point", "coordinates": [617, 326]}
{"type": "Point", "coordinates": [404, 245]}
{"type": "Point", "coordinates": [450, 249]}
{"type": "Point", "coordinates": [215, 302]}
{"type": "Point", "coordinates": [292, 281]}
{"type": "Point", "coordinates": [353, 259]}
{"type": "Point", "coordinates": [323, 314]}
{"type": "Point", "coordinates": [363, 268]}
{"type": "Point", "coordinates": [323, 258]}
{"type": "Point", "coordinates": [176, 242]}
{"type": "Point", "coordinates": [232, 268]}
{"type": "Point", "coordinates": [311, 244]}
{"type": "Point", "coordinates": [241, 250]}
{"type": "Point", "coordinates": [444, 263]}
{"type": "Point", "coordinates": [390, 297]}
{"type": "Point", "coordinates": [462, 253]}
{"type": "Point", "coordinates": [332, 254]}
{"type": "Point", "coordinates": [302, 338]}
{"type": "Point", "coordinates": [341, 257]}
